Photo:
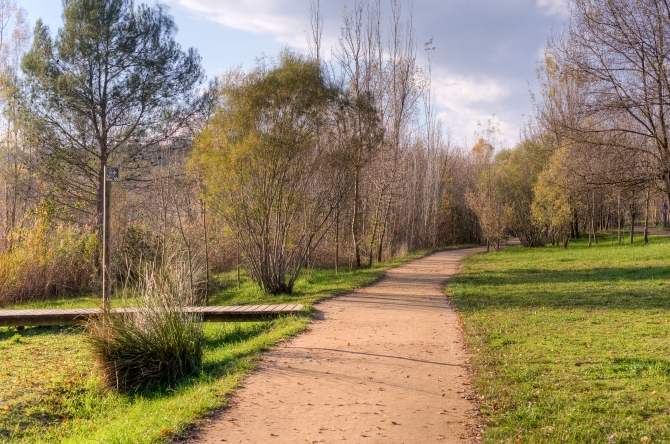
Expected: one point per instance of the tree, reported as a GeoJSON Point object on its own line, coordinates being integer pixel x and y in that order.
{"type": "Point", "coordinates": [110, 86]}
{"type": "Point", "coordinates": [14, 181]}
{"type": "Point", "coordinates": [618, 52]}
{"type": "Point", "coordinates": [266, 169]}
{"type": "Point", "coordinates": [554, 205]}
{"type": "Point", "coordinates": [486, 200]}
{"type": "Point", "coordinates": [517, 173]}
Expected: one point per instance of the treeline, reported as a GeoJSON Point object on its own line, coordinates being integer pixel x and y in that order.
{"type": "Point", "coordinates": [596, 156]}
{"type": "Point", "coordinates": [330, 159]}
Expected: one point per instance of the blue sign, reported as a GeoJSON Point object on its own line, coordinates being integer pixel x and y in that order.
{"type": "Point", "coordinates": [665, 207]}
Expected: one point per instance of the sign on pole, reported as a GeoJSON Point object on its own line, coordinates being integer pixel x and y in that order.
{"type": "Point", "coordinates": [112, 174]}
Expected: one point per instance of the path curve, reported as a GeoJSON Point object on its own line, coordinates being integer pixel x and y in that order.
{"type": "Point", "coordinates": [383, 364]}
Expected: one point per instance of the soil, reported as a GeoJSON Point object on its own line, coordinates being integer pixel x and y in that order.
{"type": "Point", "coordinates": [383, 364]}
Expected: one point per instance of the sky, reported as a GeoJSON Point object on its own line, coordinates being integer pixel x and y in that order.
{"type": "Point", "coordinates": [484, 63]}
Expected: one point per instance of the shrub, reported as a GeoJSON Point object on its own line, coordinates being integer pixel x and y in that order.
{"type": "Point", "coordinates": [156, 344]}
{"type": "Point", "coordinates": [47, 261]}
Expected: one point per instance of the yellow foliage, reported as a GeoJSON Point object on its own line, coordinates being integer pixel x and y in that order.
{"type": "Point", "coordinates": [552, 204]}
{"type": "Point", "coordinates": [46, 260]}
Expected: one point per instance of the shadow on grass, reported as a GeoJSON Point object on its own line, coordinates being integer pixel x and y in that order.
{"type": "Point", "coordinates": [603, 276]}
{"type": "Point", "coordinates": [592, 288]}
{"type": "Point", "coordinates": [599, 275]}
{"type": "Point", "coordinates": [11, 332]}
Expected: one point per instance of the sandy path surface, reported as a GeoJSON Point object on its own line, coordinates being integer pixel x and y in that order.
{"type": "Point", "coordinates": [649, 230]}
{"type": "Point", "coordinates": [384, 364]}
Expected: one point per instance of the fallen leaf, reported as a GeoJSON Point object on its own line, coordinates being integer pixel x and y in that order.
{"type": "Point", "coordinates": [645, 439]}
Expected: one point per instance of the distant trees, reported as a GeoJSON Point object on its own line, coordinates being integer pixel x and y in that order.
{"type": "Point", "coordinates": [519, 170]}
{"type": "Point", "coordinates": [485, 198]}
{"type": "Point", "coordinates": [603, 112]}
{"type": "Point", "coordinates": [15, 181]}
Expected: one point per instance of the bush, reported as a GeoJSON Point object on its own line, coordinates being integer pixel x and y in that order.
{"type": "Point", "coordinates": [156, 344]}
{"type": "Point", "coordinates": [47, 261]}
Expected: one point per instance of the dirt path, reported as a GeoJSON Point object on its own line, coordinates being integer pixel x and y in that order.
{"type": "Point", "coordinates": [384, 364]}
{"type": "Point", "coordinates": [650, 231]}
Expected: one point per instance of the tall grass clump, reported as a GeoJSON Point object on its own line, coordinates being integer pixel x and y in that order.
{"type": "Point", "coordinates": [155, 344]}
{"type": "Point", "coordinates": [45, 260]}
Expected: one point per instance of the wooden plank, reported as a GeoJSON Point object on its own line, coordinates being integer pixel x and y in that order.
{"type": "Point", "coordinates": [74, 316]}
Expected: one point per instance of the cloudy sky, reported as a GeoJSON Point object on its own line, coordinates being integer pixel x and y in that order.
{"type": "Point", "coordinates": [486, 50]}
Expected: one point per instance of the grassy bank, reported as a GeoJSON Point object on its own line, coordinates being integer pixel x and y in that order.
{"type": "Point", "coordinates": [570, 345]}
{"type": "Point", "coordinates": [50, 392]}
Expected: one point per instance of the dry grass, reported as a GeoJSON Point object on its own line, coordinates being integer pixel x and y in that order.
{"type": "Point", "coordinates": [46, 262]}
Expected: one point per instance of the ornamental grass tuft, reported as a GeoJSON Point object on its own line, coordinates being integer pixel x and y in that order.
{"type": "Point", "coordinates": [156, 344]}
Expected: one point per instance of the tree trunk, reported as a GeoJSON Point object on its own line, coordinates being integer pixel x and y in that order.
{"type": "Point", "coordinates": [593, 217]}
{"type": "Point", "coordinates": [237, 266]}
{"type": "Point", "coordinates": [618, 218]}
{"type": "Point", "coordinates": [374, 228]}
{"type": "Point", "coordinates": [383, 234]}
{"type": "Point", "coordinates": [337, 238]}
{"type": "Point", "coordinates": [354, 222]}
{"type": "Point", "coordinates": [646, 218]}
{"type": "Point", "coordinates": [590, 213]}
{"type": "Point", "coordinates": [204, 227]}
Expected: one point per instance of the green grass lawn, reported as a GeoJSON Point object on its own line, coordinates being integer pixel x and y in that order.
{"type": "Point", "coordinates": [50, 391]}
{"type": "Point", "coordinates": [570, 345]}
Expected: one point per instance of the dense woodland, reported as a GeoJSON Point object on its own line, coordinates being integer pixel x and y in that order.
{"type": "Point", "coordinates": [311, 158]}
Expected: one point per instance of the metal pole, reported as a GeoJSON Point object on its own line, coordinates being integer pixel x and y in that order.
{"type": "Point", "coordinates": [106, 281]}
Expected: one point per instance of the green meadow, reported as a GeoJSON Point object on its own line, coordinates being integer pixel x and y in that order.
{"type": "Point", "coordinates": [570, 345]}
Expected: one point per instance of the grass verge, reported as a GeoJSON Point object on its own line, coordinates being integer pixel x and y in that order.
{"type": "Point", "coordinates": [50, 392]}
{"type": "Point", "coordinates": [570, 345]}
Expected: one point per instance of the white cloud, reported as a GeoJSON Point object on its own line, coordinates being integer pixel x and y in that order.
{"type": "Point", "coordinates": [462, 92]}
{"type": "Point", "coordinates": [554, 7]}
{"type": "Point", "coordinates": [280, 18]}
{"type": "Point", "coordinates": [467, 100]}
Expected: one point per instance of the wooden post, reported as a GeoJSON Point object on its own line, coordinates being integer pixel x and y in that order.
{"type": "Point", "coordinates": [106, 282]}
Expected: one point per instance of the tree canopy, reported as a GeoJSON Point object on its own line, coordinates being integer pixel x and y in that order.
{"type": "Point", "coordinates": [112, 83]}
{"type": "Point", "coordinates": [265, 168]}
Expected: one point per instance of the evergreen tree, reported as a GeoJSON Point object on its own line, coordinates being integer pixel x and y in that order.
{"type": "Point", "coordinates": [111, 84]}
